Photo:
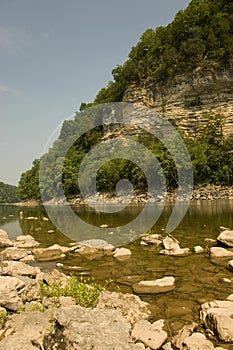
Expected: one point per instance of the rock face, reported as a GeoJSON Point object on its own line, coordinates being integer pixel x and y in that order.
{"type": "Point", "coordinates": [152, 335]}
{"type": "Point", "coordinates": [131, 306]}
{"type": "Point", "coordinates": [226, 237]}
{"type": "Point", "coordinates": [187, 97]}
{"type": "Point", "coordinates": [80, 328]}
{"type": "Point", "coordinates": [218, 316]}
{"type": "Point", "coordinates": [161, 285]}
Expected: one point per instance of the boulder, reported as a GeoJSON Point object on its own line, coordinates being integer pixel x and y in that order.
{"type": "Point", "coordinates": [122, 253]}
{"type": "Point", "coordinates": [197, 341]}
{"type": "Point", "coordinates": [161, 285]}
{"type": "Point", "coordinates": [218, 317]}
{"type": "Point", "coordinates": [226, 237]}
{"type": "Point", "coordinates": [81, 328]}
{"type": "Point", "coordinates": [9, 289]}
{"type": "Point", "coordinates": [54, 252]}
{"type": "Point", "coordinates": [18, 268]}
{"type": "Point", "coordinates": [131, 306]}
{"type": "Point", "coordinates": [4, 239]}
{"type": "Point", "coordinates": [28, 330]}
{"type": "Point", "coordinates": [25, 241]}
{"type": "Point", "coordinates": [13, 253]}
{"type": "Point", "coordinates": [219, 252]}
{"type": "Point", "coordinates": [152, 335]}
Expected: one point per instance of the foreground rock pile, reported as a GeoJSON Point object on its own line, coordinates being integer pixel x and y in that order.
{"type": "Point", "coordinates": [31, 321]}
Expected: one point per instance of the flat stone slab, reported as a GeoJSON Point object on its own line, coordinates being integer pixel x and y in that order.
{"type": "Point", "coordinates": [152, 335]}
{"type": "Point", "coordinates": [219, 252]}
{"type": "Point", "coordinates": [161, 285]}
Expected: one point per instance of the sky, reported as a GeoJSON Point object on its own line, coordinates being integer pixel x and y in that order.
{"type": "Point", "coordinates": [56, 54]}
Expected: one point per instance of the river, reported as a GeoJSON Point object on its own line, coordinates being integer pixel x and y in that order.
{"type": "Point", "coordinates": [198, 277]}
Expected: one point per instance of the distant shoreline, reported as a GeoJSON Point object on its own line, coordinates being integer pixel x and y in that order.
{"type": "Point", "coordinates": [209, 192]}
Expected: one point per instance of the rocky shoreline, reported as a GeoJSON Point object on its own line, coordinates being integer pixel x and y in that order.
{"type": "Point", "coordinates": [31, 319]}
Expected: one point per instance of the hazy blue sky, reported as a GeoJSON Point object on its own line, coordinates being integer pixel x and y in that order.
{"type": "Point", "coordinates": [54, 54]}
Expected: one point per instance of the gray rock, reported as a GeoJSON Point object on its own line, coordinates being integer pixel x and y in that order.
{"type": "Point", "coordinates": [29, 328]}
{"type": "Point", "coordinates": [161, 285]}
{"type": "Point", "coordinates": [226, 237]}
{"type": "Point", "coordinates": [152, 335]}
{"type": "Point", "coordinates": [18, 268]}
{"type": "Point", "coordinates": [97, 244]}
{"type": "Point", "coordinates": [197, 341]}
{"type": "Point", "coordinates": [131, 306]}
{"type": "Point", "coordinates": [80, 328]}
{"type": "Point", "coordinates": [218, 317]}
{"type": "Point", "coordinates": [9, 289]}
{"type": "Point", "coordinates": [219, 252]}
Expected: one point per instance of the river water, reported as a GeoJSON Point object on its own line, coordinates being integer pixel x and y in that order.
{"type": "Point", "coordinates": [198, 277]}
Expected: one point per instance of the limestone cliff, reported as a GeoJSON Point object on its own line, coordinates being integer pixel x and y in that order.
{"type": "Point", "coordinates": [187, 98]}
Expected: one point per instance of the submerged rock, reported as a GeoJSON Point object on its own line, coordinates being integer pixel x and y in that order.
{"type": "Point", "coordinates": [122, 253]}
{"type": "Point", "coordinates": [161, 285]}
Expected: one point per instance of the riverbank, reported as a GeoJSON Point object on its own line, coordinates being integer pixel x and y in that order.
{"type": "Point", "coordinates": [209, 192]}
{"type": "Point", "coordinates": [43, 308]}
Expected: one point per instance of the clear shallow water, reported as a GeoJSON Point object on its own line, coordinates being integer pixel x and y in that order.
{"type": "Point", "coordinates": [198, 278]}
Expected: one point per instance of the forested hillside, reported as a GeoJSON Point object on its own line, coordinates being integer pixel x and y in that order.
{"type": "Point", "coordinates": [8, 193]}
{"type": "Point", "coordinates": [201, 35]}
